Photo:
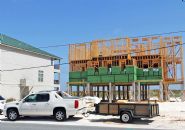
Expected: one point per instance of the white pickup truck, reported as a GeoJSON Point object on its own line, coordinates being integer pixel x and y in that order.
{"type": "Point", "coordinates": [46, 103]}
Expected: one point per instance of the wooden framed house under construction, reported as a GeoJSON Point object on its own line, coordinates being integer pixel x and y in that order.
{"type": "Point", "coordinates": [125, 68]}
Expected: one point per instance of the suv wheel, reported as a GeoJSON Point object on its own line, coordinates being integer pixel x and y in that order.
{"type": "Point", "coordinates": [125, 117]}
{"type": "Point", "coordinates": [12, 114]}
{"type": "Point", "coordinates": [60, 115]}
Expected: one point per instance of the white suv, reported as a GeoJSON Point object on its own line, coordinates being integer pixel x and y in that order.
{"type": "Point", "coordinates": [48, 103]}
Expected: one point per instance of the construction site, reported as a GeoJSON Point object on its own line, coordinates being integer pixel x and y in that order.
{"type": "Point", "coordinates": [126, 68]}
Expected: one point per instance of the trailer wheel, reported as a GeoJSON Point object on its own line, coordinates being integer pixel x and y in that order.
{"type": "Point", "coordinates": [125, 117]}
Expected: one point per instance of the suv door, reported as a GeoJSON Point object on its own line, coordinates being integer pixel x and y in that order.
{"type": "Point", "coordinates": [27, 107]}
{"type": "Point", "coordinates": [43, 105]}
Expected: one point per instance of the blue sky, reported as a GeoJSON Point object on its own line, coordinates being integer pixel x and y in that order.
{"type": "Point", "coordinates": [52, 22]}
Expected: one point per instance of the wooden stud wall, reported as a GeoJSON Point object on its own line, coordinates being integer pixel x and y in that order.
{"type": "Point", "coordinates": [165, 52]}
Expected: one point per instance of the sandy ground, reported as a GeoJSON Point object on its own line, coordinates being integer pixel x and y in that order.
{"type": "Point", "coordinates": [172, 116]}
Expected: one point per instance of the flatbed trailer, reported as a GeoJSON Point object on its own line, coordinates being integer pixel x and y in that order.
{"type": "Point", "coordinates": [128, 111]}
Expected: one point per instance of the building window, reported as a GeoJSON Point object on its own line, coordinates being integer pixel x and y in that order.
{"type": "Point", "coordinates": [40, 76]}
{"type": "Point", "coordinates": [56, 78]}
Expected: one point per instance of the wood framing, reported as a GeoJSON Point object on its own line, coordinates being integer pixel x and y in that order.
{"type": "Point", "coordinates": [144, 52]}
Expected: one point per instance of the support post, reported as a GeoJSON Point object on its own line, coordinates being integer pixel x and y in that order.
{"type": "Point", "coordinates": [114, 91]}
{"type": "Point", "coordinates": [165, 92]}
{"type": "Point", "coordinates": [127, 92]}
{"type": "Point", "coordinates": [138, 92]}
{"type": "Point", "coordinates": [107, 93]}
{"type": "Point", "coordinates": [78, 90]}
{"type": "Point", "coordinates": [123, 88]}
{"type": "Point", "coordinates": [143, 92]}
{"type": "Point", "coordinates": [182, 72]}
{"type": "Point", "coordinates": [98, 91]}
{"type": "Point", "coordinates": [119, 94]}
{"type": "Point", "coordinates": [161, 91]}
{"type": "Point", "coordinates": [110, 92]}
{"type": "Point", "coordinates": [103, 92]}
{"type": "Point", "coordinates": [69, 89]}
{"type": "Point", "coordinates": [133, 91]}
{"type": "Point", "coordinates": [88, 89]}
{"type": "Point", "coordinates": [148, 92]}
{"type": "Point", "coordinates": [92, 90]}
{"type": "Point", "coordinates": [84, 93]}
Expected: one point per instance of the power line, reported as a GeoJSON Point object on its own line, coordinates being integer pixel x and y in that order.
{"type": "Point", "coordinates": [157, 48]}
{"type": "Point", "coordinates": [148, 35]}
{"type": "Point", "coordinates": [69, 63]}
{"type": "Point", "coordinates": [33, 67]}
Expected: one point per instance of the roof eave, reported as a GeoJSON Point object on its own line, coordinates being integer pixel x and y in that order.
{"type": "Point", "coordinates": [54, 57]}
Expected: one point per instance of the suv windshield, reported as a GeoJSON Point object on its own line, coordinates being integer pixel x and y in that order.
{"type": "Point", "coordinates": [1, 98]}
